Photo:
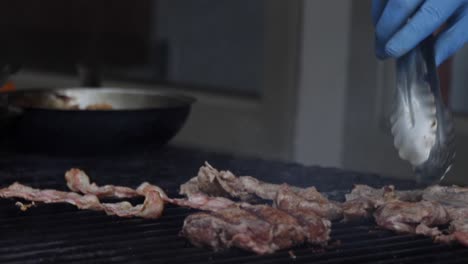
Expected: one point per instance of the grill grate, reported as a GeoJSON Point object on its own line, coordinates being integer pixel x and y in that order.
{"type": "Point", "coordinates": [60, 233]}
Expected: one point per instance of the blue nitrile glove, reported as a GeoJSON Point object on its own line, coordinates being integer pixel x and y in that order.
{"type": "Point", "coordinates": [395, 34]}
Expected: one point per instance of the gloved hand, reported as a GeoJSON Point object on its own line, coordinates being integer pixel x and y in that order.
{"type": "Point", "coordinates": [396, 33]}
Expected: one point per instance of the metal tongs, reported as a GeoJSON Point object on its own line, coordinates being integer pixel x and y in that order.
{"type": "Point", "coordinates": [421, 125]}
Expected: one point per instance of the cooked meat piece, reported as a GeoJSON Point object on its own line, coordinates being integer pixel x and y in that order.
{"type": "Point", "coordinates": [363, 200]}
{"type": "Point", "coordinates": [458, 230]}
{"type": "Point", "coordinates": [258, 228]}
{"type": "Point", "coordinates": [152, 206]}
{"type": "Point", "coordinates": [78, 181]}
{"type": "Point", "coordinates": [223, 183]}
{"type": "Point", "coordinates": [307, 200]}
{"type": "Point", "coordinates": [412, 217]}
{"type": "Point", "coordinates": [315, 228]}
{"type": "Point", "coordinates": [357, 209]}
{"type": "Point", "coordinates": [287, 231]}
{"type": "Point", "coordinates": [99, 106]}
{"type": "Point", "coordinates": [455, 201]}
{"type": "Point", "coordinates": [386, 192]}
{"type": "Point", "coordinates": [17, 190]}
{"type": "Point", "coordinates": [233, 227]}
{"type": "Point", "coordinates": [452, 196]}
{"type": "Point", "coordinates": [203, 202]}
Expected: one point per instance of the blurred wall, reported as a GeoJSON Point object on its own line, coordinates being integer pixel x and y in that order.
{"type": "Point", "coordinates": [322, 82]}
{"type": "Point", "coordinates": [214, 43]}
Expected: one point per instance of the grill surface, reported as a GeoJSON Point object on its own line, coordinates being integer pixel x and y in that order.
{"type": "Point", "coordinates": [62, 234]}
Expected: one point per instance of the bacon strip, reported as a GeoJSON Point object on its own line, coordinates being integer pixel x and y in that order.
{"type": "Point", "coordinates": [78, 181]}
{"type": "Point", "coordinates": [152, 206]}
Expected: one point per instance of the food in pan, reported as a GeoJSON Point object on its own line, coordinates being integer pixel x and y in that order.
{"type": "Point", "coordinates": [152, 206]}
{"type": "Point", "coordinates": [57, 101]}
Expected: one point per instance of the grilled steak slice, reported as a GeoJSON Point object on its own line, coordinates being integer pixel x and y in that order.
{"type": "Point", "coordinates": [307, 201]}
{"type": "Point", "coordinates": [315, 228]}
{"type": "Point", "coordinates": [455, 201]}
{"type": "Point", "coordinates": [363, 200]}
{"type": "Point", "coordinates": [260, 229]}
{"type": "Point", "coordinates": [233, 228]}
{"type": "Point", "coordinates": [458, 230]}
{"type": "Point", "coordinates": [287, 231]}
{"type": "Point", "coordinates": [225, 184]}
{"type": "Point", "coordinates": [412, 217]}
{"type": "Point", "coordinates": [451, 196]}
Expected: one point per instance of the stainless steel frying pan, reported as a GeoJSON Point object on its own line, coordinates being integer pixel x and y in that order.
{"type": "Point", "coordinates": [91, 120]}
